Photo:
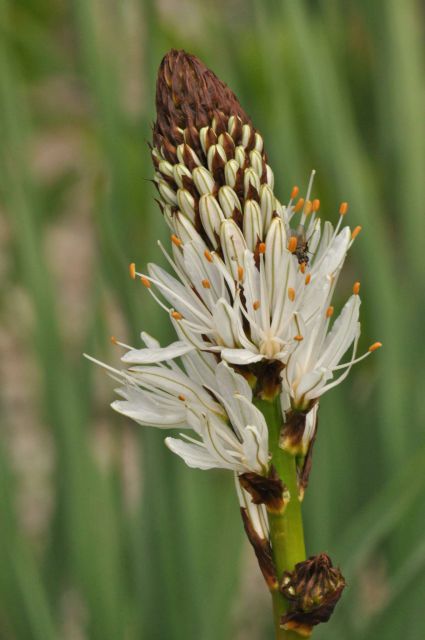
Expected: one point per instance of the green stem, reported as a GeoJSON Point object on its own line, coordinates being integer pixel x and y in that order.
{"type": "Point", "coordinates": [286, 529]}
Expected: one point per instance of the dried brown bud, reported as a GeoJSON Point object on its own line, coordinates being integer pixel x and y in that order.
{"type": "Point", "coordinates": [189, 96]}
{"type": "Point", "coordinates": [313, 588]}
{"type": "Point", "coordinates": [268, 491]}
{"type": "Point", "coordinates": [263, 552]}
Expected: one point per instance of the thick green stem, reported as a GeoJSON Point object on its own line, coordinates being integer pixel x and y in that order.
{"type": "Point", "coordinates": [286, 529]}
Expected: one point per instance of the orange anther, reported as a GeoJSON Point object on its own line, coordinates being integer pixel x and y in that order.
{"type": "Point", "coordinates": [294, 192]}
{"type": "Point", "coordinates": [292, 244]}
{"type": "Point", "coordinates": [302, 267]}
{"type": "Point", "coordinates": [208, 255]}
{"type": "Point", "coordinates": [308, 278]}
{"type": "Point", "coordinates": [343, 208]}
{"type": "Point", "coordinates": [256, 305]}
{"type": "Point", "coordinates": [262, 247]}
{"type": "Point", "coordinates": [308, 207]}
{"type": "Point", "coordinates": [375, 346]}
{"type": "Point", "coordinates": [356, 288]}
{"type": "Point", "coordinates": [316, 204]}
{"type": "Point", "coordinates": [206, 284]}
{"type": "Point", "coordinates": [240, 273]}
{"type": "Point", "coordinates": [176, 315]}
{"type": "Point", "coordinates": [356, 232]}
{"type": "Point", "coordinates": [132, 270]}
{"type": "Point", "coordinates": [114, 340]}
{"type": "Point", "coordinates": [145, 282]}
{"type": "Point", "coordinates": [329, 312]}
{"type": "Point", "coordinates": [299, 205]}
{"type": "Point", "coordinates": [291, 294]}
{"type": "Point", "coordinates": [175, 240]}
{"type": "Point", "coordinates": [298, 338]}
{"type": "Point", "coordinates": [182, 397]}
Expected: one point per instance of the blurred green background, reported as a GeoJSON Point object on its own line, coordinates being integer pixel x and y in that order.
{"type": "Point", "coordinates": [104, 535]}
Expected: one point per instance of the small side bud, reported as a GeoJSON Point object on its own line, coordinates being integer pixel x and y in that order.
{"type": "Point", "coordinates": [313, 589]}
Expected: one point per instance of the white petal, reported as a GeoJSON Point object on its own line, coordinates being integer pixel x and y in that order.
{"type": "Point", "coordinates": [158, 354]}
{"type": "Point", "coordinates": [240, 356]}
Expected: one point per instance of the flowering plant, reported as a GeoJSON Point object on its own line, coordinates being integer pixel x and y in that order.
{"type": "Point", "coordinates": [250, 300]}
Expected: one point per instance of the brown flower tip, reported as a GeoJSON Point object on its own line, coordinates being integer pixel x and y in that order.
{"type": "Point", "coordinates": [313, 588]}
{"type": "Point", "coordinates": [268, 491]}
{"type": "Point", "coordinates": [189, 96]}
{"type": "Point", "coordinates": [263, 552]}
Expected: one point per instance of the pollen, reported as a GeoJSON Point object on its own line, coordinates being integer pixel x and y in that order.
{"type": "Point", "coordinates": [298, 338]}
{"type": "Point", "coordinates": [375, 346]}
{"type": "Point", "coordinates": [343, 208]}
{"type": "Point", "coordinates": [316, 204]}
{"type": "Point", "coordinates": [176, 315]}
{"type": "Point", "coordinates": [256, 305]}
{"type": "Point", "coordinates": [206, 284]}
{"type": "Point", "coordinates": [240, 273]}
{"type": "Point", "coordinates": [182, 397]}
{"type": "Point", "coordinates": [356, 288]}
{"type": "Point", "coordinates": [299, 205]}
{"type": "Point", "coordinates": [329, 312]}
{"type": "Point", "coordinates": [308, 278]}
{"type": "Point", "coordinates": [145, 282]}
{"type": "Point", "coordinates": [292, 244]}
{"type": "Point", "coordinates": [175, 240]}
{"type": "Point", "coordinates": [262, 247]}
{"type": "Point", "coordinates": [295, 191]}
{"type": "Point", "coordinates": [132, 270]}
{"type": "Point", "coordinates": [291, 294]}
{"type": "Point", "coordinates": [208, 255]}
{"type": "Point", "coordinates": [356, 232]}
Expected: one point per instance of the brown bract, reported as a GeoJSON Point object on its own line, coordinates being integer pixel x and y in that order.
{"type": "Point", "coordinates": [188, 97]}
{"type": "Point", "coordinates": [268, 491]}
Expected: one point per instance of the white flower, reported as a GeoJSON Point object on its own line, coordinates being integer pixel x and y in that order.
{"type": "Point", "coordinates": [266, 299]}
{"type": "Point", "coordinates": [213, 401]}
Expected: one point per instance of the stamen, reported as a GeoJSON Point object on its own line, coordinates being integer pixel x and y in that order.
{"type": "Point", "coordinates": [256, 305]}
{"type": "Point", "coordinates": [145, 282]}
{"type": "Point", "coordinates": [356, 288]}
{"type": "Point", "coordinates": [298, 338]}
{"type": "Point", "coordinates": [262, 247]}
{"type": "Point", "coordinates": [295, 191]}
{"type": "Point", "coordinates": [302, 267]}
{"type": "Point", "coordinates": [113, 340]}
{"type": "Point", "coordinates": [208, 255]}
{"type": "Point", "coordinates": [240, 273]}
{"type": "Point", "coordinates": [343, 208]}
{"type": "Point", "coordinates": [373, 347]}
{"type": "Point", "coordinates": [176, 315]}
{"type": "Point", "coordinates": [316, 205]}
{"type": "Point", "coordinates": [356, 232]}
{"type": "Point", "coordinates": [329, 312]}
{"type": "Point", "coordinates": [299, 205]}
{"type": "Point", "coordinates": [132, 270]}
{"type": "Point", "coordinates": [206, 284]}
{"type": "Point", "coordinates": [291, 294]}
{"type": "Point", "coordinates": [292, 244]}
{"type": "Point", "coordinates": [182, 397]}
{"type": "Point", "coordinates": [308, 278]}
{"type": "Point", "coordinates": [176, 240]}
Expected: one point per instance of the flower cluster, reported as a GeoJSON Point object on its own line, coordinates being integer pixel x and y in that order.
{"type": "Point", "coordinates": [250, 298]}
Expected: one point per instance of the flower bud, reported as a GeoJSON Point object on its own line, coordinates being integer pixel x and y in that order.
{"type": "Point", "coordinates": [313, 589]}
